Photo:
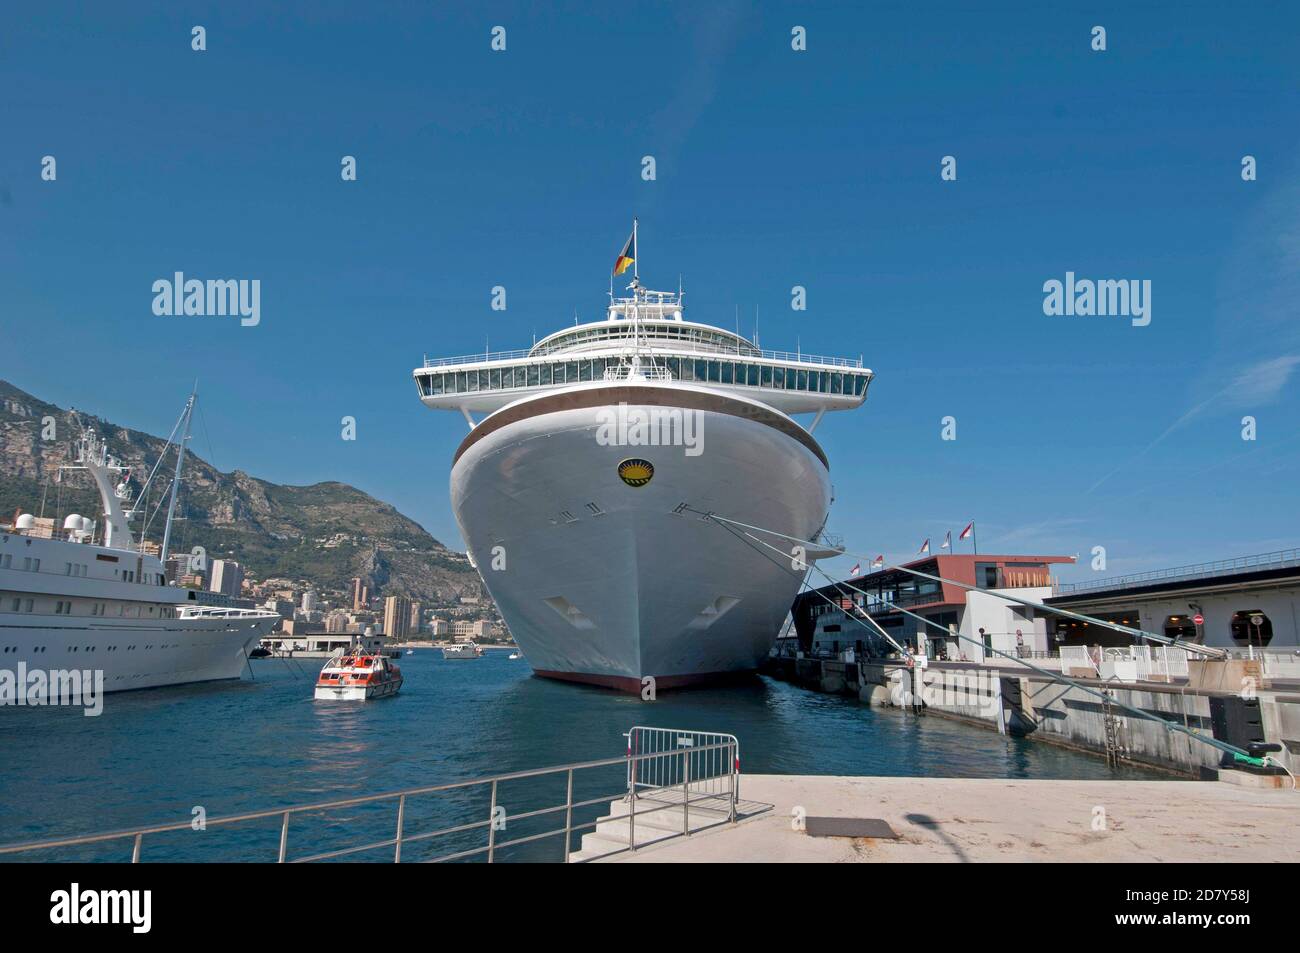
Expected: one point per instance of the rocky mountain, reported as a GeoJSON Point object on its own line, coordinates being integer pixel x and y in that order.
{"type": "Point", "coordinates": [326, 533]}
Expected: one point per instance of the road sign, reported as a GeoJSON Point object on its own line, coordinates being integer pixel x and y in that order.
{"type": "Point", "coordinates": [1198, 619]}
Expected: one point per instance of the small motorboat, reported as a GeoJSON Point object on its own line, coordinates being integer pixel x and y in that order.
{"type": "Point", "coordinates": [358, 676]}
{"type": "Point", "coordinates": [514, 655]}
{"type": "Point", "coordinates": [410, 651]}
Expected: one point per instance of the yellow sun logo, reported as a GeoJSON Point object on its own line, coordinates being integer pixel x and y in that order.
{"type": "Point", "coordinates": [636, 472]}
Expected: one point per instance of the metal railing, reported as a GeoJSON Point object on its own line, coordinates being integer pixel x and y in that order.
{"type": "Point", "coordinates": [1223, 567]}
{"type": "Point", "coordinates": [1148, 661]}
{"type": "Point", "coordinates": [701, 762]}
{"type": "Point", "coordinates": [696, 770]}
{"type": "Point", "coordinates": [655, 348]}
{"type": "Point", "coordinates": [223, 612]}
{"type": "Point", "coordinates": [623, 372]}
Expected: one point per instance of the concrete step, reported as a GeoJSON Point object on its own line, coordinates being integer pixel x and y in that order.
{"type": "Point", "coordinates": [658, 817]}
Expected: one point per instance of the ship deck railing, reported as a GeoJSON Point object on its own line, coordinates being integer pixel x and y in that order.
{"type": "Point", "coordinates": [649, 372]}
{"type": "Point", "coordinates": [653, 348]}
{"type": "Point", "coordinates": [690, 772]}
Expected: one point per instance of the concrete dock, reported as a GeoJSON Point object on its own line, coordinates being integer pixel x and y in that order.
{"type": "Point", "coordinates": [970, 820]}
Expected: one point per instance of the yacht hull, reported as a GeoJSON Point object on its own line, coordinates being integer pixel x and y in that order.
{"type": "Point", "coordinates": [609, 583]}
{"type": "Point", "coordinates": [131, 655]}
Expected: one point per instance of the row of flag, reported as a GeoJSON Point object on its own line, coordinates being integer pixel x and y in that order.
{"type": "Point", "coordinates": [879, 561]}
{"type": "Point", "coordinates": [947, 539]}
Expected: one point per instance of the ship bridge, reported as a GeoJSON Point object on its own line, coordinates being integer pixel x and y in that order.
{"type": "Point", "coordinates": [649, 326]}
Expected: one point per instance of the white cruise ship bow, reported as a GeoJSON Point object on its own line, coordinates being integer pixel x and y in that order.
{"type": "Point", "coordinates": [578, 493]}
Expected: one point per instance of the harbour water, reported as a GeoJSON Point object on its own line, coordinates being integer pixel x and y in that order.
{"type": "Point", "coordinates": [154, 756]}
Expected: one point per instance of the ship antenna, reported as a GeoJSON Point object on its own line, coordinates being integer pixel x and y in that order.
{"type": "Point", "coordinates": [176, 478]}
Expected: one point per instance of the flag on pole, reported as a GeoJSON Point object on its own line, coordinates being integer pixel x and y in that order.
{"type": "Point", "coordinates": [878, 562]}
{"type": "Point", "coordinates": [947, 540]}
{"type": "Point", "coordinates": [626, 257]}
{"type": "Point", "coordinates": [854, 570]}
{"type": "Point", "coordinates": [967, 531]}
{"type": "Point", "coordinates": [925, 547]}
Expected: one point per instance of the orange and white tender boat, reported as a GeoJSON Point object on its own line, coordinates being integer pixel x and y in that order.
{"type": "Point", "coordinates": [358, 676]}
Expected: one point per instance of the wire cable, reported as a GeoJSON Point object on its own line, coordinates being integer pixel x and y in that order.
{"type": "Point", "coordinates": [1054, 676]}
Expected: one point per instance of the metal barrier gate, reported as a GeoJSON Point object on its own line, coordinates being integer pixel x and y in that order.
{"type": "Point", "coordinates": [699, 762]}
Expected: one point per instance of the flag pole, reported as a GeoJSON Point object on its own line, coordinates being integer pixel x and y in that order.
{"type": "Point", "coordinates": [636, 255]}
{"type": "Point", "coordinates": [974, 540]}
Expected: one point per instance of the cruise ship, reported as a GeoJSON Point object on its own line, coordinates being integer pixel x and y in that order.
{"type": "Point", "coordinates": [89, 598]}
{"type": "Point", "coordinates": [591, 460]}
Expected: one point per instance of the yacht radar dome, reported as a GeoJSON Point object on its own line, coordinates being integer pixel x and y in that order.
{"type": "Point", "coordinates": [25, 521]}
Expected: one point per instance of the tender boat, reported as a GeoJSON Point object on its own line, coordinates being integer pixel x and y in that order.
{"type": "Point", "coordinates": [358, 676]}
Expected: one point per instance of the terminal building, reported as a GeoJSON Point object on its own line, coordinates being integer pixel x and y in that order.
{"type": "Point", "coordinates": [1242, 604]}
{"type": "Point", "coordinates": [1247, 605]}
{"type": "Point", "coordinates": [833, 618]}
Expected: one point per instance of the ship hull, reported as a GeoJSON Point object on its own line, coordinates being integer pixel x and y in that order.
{"type": "Point", "coordinates": [131, 656]}
{"type": "Point", "coordinates": [612, 584]}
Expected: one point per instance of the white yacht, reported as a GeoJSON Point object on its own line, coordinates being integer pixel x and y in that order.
{"type": "Point", "coordinates": [581, 486]}
{"type": "Point", "coordinates": [462, 650]}
{"type": "Point", "coordinates": [90, 598]}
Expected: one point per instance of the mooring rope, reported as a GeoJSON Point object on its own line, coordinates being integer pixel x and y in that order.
{"type": "Point", "coordinates": [1054, 676]}
{"type": "Point", "coordinates": [1135, 633]}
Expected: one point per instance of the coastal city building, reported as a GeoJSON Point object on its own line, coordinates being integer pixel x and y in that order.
{"type": "Point", "coordinates": [397, 617]}
{"type": "Point", "coordinates": [227, 577]}
{"type": "Point", "coordinates": [178, 565]}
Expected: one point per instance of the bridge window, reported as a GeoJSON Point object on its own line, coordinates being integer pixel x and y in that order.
{"type": "Point", "coordinates": [727, 369]}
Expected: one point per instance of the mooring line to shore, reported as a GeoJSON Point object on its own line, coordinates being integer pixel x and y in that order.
{"type": "Point", "coordinates": [1135, 633]}
{"type": "Point", "coordinates": [1238, 753]}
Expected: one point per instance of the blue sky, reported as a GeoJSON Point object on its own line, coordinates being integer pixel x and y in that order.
{"type": "Point", "coordinates": [775, 168]}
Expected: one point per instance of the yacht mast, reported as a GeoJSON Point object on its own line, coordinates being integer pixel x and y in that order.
{"type": "Point", "coordinates": [176, 479]}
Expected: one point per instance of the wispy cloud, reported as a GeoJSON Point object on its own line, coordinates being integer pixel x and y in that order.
{"type": "Point", "coordinates": [1256, 331]}
{"type": "Point", "coordinates": [1256, 385]}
